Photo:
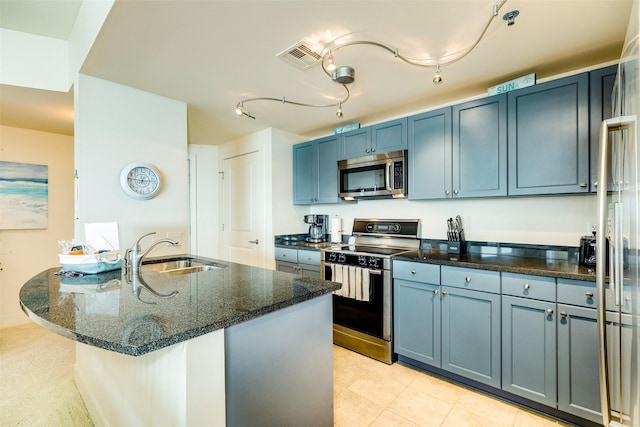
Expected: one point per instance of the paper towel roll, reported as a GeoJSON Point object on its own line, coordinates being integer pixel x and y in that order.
{"type": "Point", "coordinates": [336, 230]}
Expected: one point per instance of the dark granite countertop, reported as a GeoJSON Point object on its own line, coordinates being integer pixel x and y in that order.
{"type": "Point", "coordinates": [102, 310]}
{"type": "Point", "coordinates": [550, 267]}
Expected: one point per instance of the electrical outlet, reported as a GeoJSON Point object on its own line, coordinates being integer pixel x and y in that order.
{"type": "Point", "coordinates": [175, 236]}
{"type": "Point", "coordinates": [591, 227]}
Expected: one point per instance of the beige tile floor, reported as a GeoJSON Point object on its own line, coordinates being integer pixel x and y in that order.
{"type": "Point", "coordinates": [371, 393]}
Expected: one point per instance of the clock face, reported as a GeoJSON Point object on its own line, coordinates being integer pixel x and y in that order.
{"type": "Point", "coordinates": [140, 180]}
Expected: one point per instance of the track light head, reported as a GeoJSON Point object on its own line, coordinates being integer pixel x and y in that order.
{"type": "Point", "coordinates": [437, 79]}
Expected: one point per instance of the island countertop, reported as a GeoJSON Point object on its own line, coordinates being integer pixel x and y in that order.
{"type": "Point", "coordinates": [103, 311]}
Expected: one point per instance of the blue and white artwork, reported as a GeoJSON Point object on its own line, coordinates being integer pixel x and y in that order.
{"type": "Point", "coordinates": [24, 194]}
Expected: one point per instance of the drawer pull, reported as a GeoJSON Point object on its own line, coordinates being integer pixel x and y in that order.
{"type": "Point", "coordinates": [526, 286]}
{"type": "Point", "coordinates": [444, 293]}
{"type": "Point", "coordinates": [413, 272]}
{"type": "Point", "coordinates": [435, 292]}
{"type": "Point", "coordinates": [467, 279]}
{"type": "Point", "coordinates": [589, 295]}
{"type": "Point", "coordinates": [549, 312]}
{"type": "Point", "coordinates": [563, 314]}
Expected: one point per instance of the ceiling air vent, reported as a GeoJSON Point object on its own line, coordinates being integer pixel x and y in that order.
{"type": "Point", "coordinates": [300, 55]}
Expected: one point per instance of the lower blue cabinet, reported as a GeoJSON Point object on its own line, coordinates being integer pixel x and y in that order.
{"type": "Point", "coordinates": [529, 349]}
{"type": "Point", "coordinates": [417, 321]}
{"type": "Point", "coordinates": [471, 334]}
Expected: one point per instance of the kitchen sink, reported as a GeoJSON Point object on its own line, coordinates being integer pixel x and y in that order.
{"type": "Point", "coordinates": [183, 265]}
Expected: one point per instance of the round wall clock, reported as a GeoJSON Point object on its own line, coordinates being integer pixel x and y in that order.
{"type": "Point", "coordinates": [140, 180]}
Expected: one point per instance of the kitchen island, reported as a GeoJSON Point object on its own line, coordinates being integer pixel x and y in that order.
{"type": "Point", "coordinates": [236, 345]}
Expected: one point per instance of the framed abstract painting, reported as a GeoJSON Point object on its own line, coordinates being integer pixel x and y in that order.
{"type": "Point", "coordinates": [24, 194]}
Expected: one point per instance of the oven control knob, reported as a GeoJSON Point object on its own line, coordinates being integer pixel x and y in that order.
{"type": "Point", "coordinates": [395, 228]}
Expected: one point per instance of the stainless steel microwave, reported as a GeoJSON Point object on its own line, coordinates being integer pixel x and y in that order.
{"type": "Point", "coordinates": [375, 176]}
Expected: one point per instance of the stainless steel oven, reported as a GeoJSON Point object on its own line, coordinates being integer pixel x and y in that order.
{"type": "Point", "coordinates": [362, 309]}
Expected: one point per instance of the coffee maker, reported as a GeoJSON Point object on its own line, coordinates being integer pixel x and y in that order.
{"type": "Point", "coordinates": [318, 227]}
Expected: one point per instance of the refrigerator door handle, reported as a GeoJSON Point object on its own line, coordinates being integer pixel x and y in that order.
{"type": "Point", "coordinates": [613, 124]}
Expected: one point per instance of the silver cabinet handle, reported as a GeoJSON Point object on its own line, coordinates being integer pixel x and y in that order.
{"type": "Point", "coordinates": [549, 312]}
{"type": "Point", "coordinates": [444, 293]}
{"type": "Point", "coordinates": [526, 286]}
{"type": "Point", "coordinates": [447, 192]}
{"type": "Point", "coordinates": [589, 295]}
{"type": "Point", "coordinates": [435, 292]}
{"type": "Point", "coordinates": [413, 272]}
{"type": "Point", "coordinates": [255, 242]}
{"type": "Point", "coordinates": [563, 314]}
{"type": "Point", "coordinates": [467, 279]}
{"type": "Point", "coordinates": [583, 184]}
{"type": "Point", "coordinates": [373, 149]}
{"type": "Point", "coordinates": [455, 191]}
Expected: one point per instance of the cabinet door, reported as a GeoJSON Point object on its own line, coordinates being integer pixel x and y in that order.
{"type": "Point", "coordinates": [549, 137]}
{"type": "Point", "coordinates": [529, 349]}
{"type": "Point", "coordinates": [389, 136]}
{"type": "Point", "coordinates": [287, 267]}
{"type": "Point", "coordinates": [601, 84]}
{"type": "Point", "coordinates": [356, 143]}
{"type": "Point", "coordinates": [429, 155]}
{"type": "Point", "coordinates": [304, 172]}
{"type": "Point", "coordinates": [471, 334]}
{"type": "Point", "coordinates": [327, 167]}
{"type": "Point", "coordinates": [578, 376]}
{"type": "Point", "coordinates": [417, 321]}
{"type": "Point", "coordinates": [308, 270]}
{"type": "Point", "coordinates": [480, 148]}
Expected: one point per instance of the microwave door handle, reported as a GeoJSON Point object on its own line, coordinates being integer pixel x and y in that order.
{"type": "Point", "coordinates": [387, 179]}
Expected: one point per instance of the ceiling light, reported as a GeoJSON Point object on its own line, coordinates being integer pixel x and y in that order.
{"type": "Point", "coordinates": [437, 79]}
{"type": "Point", "coordinates": [510, 17]}
{"type": "Point", "coordinates": [346, 75]}
{"type": "Point", "coordinates": [330, 66]}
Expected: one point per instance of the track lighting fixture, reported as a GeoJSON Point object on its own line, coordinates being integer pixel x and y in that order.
{"type": "Point", "coordinates": [437, 79]}
{"type": "Point", "coordinates": [345, 75]}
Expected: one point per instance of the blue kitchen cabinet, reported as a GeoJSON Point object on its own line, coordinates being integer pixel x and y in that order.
{"type": "Point", "coordinates": [429, 156]}
{"type": "Point", "coordinates": [578, 375]}
{"type": "Point", "coordinates": [356, 143]}
{"type": "Point", "coordinates": [315, 171]}
{"type": "Point", "coordinates": [601, 84]}
{"type": "Point", "coordinates": [529, 337]}
{"type": "Point", "coordinates": [376, 139]}
{"type": "Point", "coordinates": [416, 311]}
{"type": "Point", "coordinates": [480, 148]}
{"type": "Point", "coordinates": [298, 261]}
{"type": "Point", "coordinates": [548, 137]}
{"type": "Point", "coordinates": [389, 136]}
{"type": "Point", "coordinates": [471, 324]}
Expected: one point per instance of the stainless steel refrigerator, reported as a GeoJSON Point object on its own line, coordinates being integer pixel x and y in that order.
{"type": "Point", "coordinates": [617, 256]}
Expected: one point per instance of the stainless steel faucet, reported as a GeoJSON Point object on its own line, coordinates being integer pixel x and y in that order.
{"type": "Point", "coordinates": [134, 256]}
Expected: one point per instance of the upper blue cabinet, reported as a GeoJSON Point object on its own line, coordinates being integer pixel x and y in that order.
{"type": "Point", "coordinates": [315, 171]}
{"type": "Point", "coordinates": [380, 138]}
{"type": "Point", "coordinates": [549, 137]}
{"type": "Point", "coordinates": [601, 84]}
{"type": "Point", "coordinates": [459, 151]}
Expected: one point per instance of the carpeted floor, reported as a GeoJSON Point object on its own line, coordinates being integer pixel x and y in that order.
{"type": "Point", "coordinates": [36, 379]}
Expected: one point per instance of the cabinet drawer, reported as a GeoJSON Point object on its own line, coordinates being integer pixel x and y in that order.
{"type": "Point", "coordinates": [309, 257]}
{"type": "Point", "coordinates": [526, 286]}
{"type": "Point", "coordinates": [287, 254]}
{"type": "Point", "coordinates": [471, 278]}
{"type": "Point", "coordinates": [416, 271]}
{"type": "Point", "coordinates": [577, 292]}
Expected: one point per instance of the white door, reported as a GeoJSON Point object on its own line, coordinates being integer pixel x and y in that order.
{"type": "Point", "coordinates": [243, 209]}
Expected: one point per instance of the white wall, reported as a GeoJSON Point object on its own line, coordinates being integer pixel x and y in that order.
{"type": "Point", "coordinates": [25, 253]}
{"type": "Point", "coordinates": [116, 125]}
{"type": "Point", "coordinates": [550, 220]}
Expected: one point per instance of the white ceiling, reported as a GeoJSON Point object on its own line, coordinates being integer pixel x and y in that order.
{"type": "Point", "coordinates": [211, 53]}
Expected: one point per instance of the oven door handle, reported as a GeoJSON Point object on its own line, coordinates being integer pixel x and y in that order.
{"type": "Point", "coordinates": [378, 272]}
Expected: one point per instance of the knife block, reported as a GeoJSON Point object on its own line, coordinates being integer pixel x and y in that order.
{"type": "Point", "coordinates": [458, 246]}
